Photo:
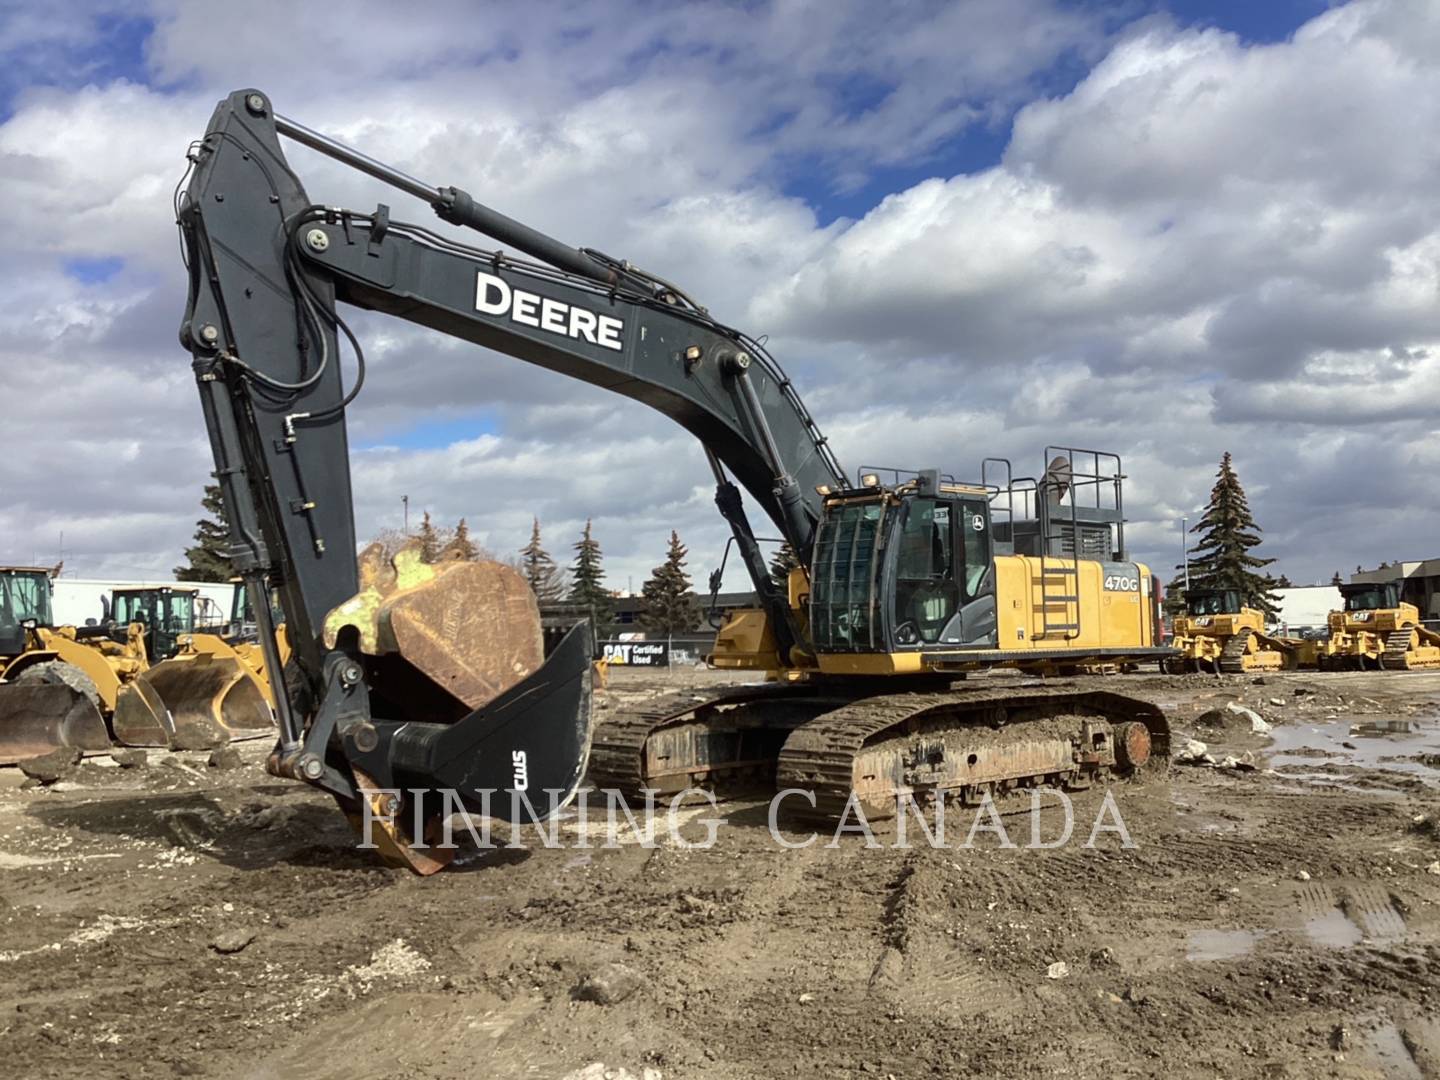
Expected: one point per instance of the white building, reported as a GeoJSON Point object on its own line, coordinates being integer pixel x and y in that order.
{"type": "Point", "coordinates": [76, 600]}
{"type": "Point", "coordinates": [1306, 606]}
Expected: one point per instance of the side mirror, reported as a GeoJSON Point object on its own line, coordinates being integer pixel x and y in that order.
{"type": "Point", "coordinates": [29, 624]}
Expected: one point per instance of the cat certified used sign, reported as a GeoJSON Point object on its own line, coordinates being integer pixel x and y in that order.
{"type": "Point", "coordinates": [495, 296]}
{"type": "Point", "coordinates": [637, 653]}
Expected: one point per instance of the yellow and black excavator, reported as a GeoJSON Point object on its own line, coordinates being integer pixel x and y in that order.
{"type": "Point", "coordinates": [406, 677]}
{"type": "Point", "coordinates": [1377, 629]}
{"type": "Point", "coordinates": [1219, 633]}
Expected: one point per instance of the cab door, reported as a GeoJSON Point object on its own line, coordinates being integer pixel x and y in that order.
{"type": "Point", "coordinates": [976, 575]}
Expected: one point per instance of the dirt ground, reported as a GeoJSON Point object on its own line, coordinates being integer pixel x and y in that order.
{"type": "Point", "coordinates": [1275, 921]}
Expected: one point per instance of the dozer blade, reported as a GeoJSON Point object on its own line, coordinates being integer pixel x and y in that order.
{"type": "Point", "coordinates": [38, 718]}
{"type": "Point", "coordinates": [191, 703]}
{"type": "Point", "coordinates": [519, 758]}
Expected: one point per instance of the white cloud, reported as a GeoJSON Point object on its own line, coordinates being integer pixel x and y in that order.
{"type": "Point", "coordinates": [1204, 245]}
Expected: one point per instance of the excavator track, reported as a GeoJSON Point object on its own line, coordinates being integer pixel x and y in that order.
{"type": "Point", "coordinates": [693, 739]}
{"type": "Point", "coordinates": [964, 744]}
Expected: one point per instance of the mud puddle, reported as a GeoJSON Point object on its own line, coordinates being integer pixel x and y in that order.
{"type": "Point", "coordinates": [1207, 946]}
{"type": "Point", "coordinates": [1320, 752]}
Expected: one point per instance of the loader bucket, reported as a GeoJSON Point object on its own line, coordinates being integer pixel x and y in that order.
{"type": "Point", "coordinates": [36, 718]}
{"type": "Point", "coordinates": [191, 703]}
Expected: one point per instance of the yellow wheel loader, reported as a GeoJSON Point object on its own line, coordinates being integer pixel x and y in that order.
{"type": "Point", "coordinates": [200, 688]}
{"type": "Point", "coordinates": [1376, 629]}
{"type": "Point", "coordinates": [57, 685]}
{"type": "Point", "coordinates": [1219, 633]}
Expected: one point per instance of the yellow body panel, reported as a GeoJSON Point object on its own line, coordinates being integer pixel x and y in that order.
{"type": "Point", "coordinates": [108, 664]}
{"type": "Point", "coordinates": [1116, 618]}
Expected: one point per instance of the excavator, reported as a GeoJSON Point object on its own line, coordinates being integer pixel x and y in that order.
{"type": "Point", "coordinates": [1376, 629]}
{"type": "Point", "coordinates": [406, 677]}
{"type": "Point", "coordinates": [1220, 633]}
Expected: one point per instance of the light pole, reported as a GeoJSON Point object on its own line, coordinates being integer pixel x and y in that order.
{"type": "Point", "coordinates": [1185, 549]}
{"type": "Point", "coordinates": [405, 500]}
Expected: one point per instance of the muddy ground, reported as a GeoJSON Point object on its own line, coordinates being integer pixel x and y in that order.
{"type": "Point", "coordinates": [1281, 921]}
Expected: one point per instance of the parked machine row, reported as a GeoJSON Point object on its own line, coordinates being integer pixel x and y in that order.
{"type": "Point", "coordinates": [1374, 630]}
{"type": "Point", "coordinates": [142, 675]}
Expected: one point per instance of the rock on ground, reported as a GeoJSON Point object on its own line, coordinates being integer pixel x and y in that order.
{"type": "Point", "coordinates": [56, 765]}
{"type": "Point", "coordinates": [608, 985]}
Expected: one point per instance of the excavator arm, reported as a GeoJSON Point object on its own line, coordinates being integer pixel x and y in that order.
{"type": "Point", "coordinates": [383, 694]}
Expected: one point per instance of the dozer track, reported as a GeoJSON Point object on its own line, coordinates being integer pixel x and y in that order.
{"type": "Point", "coordinates": [1409, 649]}
{"type": "Point", "coordinates": [1232, 656]}
{"type": "Point", "coordinates": [956, 743]}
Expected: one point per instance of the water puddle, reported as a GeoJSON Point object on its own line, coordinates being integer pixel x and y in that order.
{"type": "Point", "coordinates": [1204, 946]}
{"type": "Point", "coordinates": [1333, 929]}
{"type": "Point", "coordinates": [1382, 744]}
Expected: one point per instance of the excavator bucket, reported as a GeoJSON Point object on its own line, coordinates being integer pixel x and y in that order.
{"type": "Point", "coordinates": [36, 718]}
{"type": "Point", "coordinates": [478, 717]}
{"type": "Point", "coordinates": [191, 703]}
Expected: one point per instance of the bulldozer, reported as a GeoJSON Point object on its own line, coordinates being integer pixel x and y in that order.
{"type": "Point", "coordinates": [1376, 629]}
{"type": "Point", "coordinates": [1219, 633]}
{"type": "Point", "coordinates": [409, 677]}
{"type": "Point", "coordinates": [57, 684]}
{"type": "Point", "coordinates": [198, 690]}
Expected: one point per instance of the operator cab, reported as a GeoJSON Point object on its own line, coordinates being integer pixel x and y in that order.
{"type": "Point", "coordinates": [1212, 602]}
{"type": "Point", "coordinates": [908, 564]}
{"type": "Point", "coordinates": [1371, 597]}
{"type": "Point", "coordinates": [167, 614]}
{"type": "Point", "coordinates": [903, 567]}
{"type": "Point", "coordinates": [24, 598]}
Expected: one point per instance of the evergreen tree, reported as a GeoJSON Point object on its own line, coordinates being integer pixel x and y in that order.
{"type": "Point", "coordinates": [586, 577]}
{"type": "Point", "coordinates": [208, 558]}
{"type": "Point", "coordinates": [669, 605]}
{"type": "Point", "coordinates": [1222, 558]}
{"type": "Point", "coordinates": [539, 568]}
{"type": "Point", "coordinates": [780, 567]}
{"type": "Point", "coordinates": [461, 547]}
{"type": "Point", "coordinates": [429, 540]}
{"type": "Point", "coordinates": [1283, 582]}
{"type": "Point", "coordinates": [1337, 579]}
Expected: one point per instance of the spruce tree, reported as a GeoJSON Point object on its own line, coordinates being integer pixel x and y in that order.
{"type": "Point", "coordinates": [586, 588]}
{"type": "Point", "coordinates": [208, 558]}
{"type": "Point", "coordinates": [1337, 579]}
{"type": "Point", "coordinates": [1222, 558]}
{"type": "Point", "coordinates": [780, 567]}
{"type": "Point", "coordinates": [461, 546]}
{"type": "Point", "coordinates": [539, 568]}
{"type": "Point", "coordinates": [669, 606]}
{"type": "Point", "coordinates": [1283, 582]}
{"type": "Point", "coordinates": [429, 540]}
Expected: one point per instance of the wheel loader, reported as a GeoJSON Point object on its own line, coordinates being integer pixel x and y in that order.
{"type": "Point", "coordinates": [57, 684]}
{"type": "Point", "coordinates": [198, 690]}
{"type": "Point", "coordinates": [1376, 629]}
{"type": "Point", "coordinates": [1220, 633]}
{"type": "Point", "coordinates": [409, 679]}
